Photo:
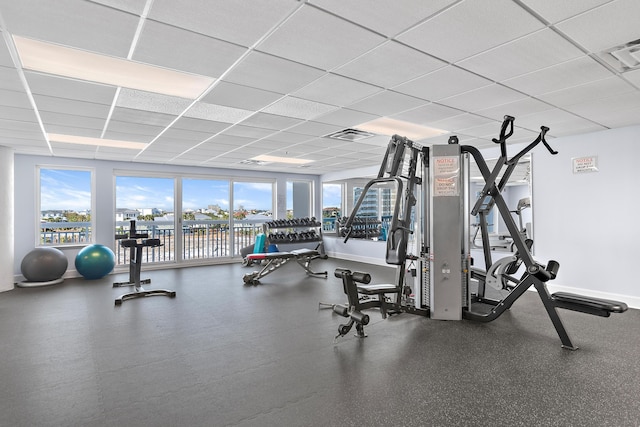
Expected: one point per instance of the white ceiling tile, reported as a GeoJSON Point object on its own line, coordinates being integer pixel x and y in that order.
{"type": "Point", "coordinates": [515, 109]}
{"type": "Point", "coordinates": [267, 72]}
{"type": "Point", "coordinates": [248, 131]}
{"type": "Point", "coordinates": [573, 128]}
{"type": "Point", "coordinates": [43, 84]}
{"type": "Point", "coordinates": [238, 96]}
{"type": "Point", "coordinates": [550, 118]}
{"type": "Point", "coordinates": [463, 121]}
{"type": "Point", "coordinates": [298, 108]}
{"type": "Point", "coordinates": [71, 106]}
{"type": "Point", "coordinates": [524, 55]}
{"type": "Point", "coordinates": [607, 105]}
{"type": "Point", "coordinates": [380, 66]}
{"type": "Point", "coordinates": [388, 18]}
{"type": "Point", "coordinates": [287, 137]}
{"type": "Point", "coordinates": [633, 77]}
{"type": "Point", "coordinates": [52, 118]}
{"type": "Point", "coordinates": [19, 126]}
{"type": "Point", "coordinates": [85, 25]}
{"type": "Point", "coordinates": [443, 83]}
{"type": "Point", "coordinates": [427, 114]}
{"type": "Point", "coordinates": [217, 113]}
{"type": "Point", "coordinates": [21, 114]}
{"type": "Point", "coordinates": [559, 10]}
{"type": "Point", "coordinates": [317, 38]}
{"type": "Point", "coordinates": [5, 56]}
{"type": "Point", "coordinates": [175, 48]}
{"type": "Point", "coordinates": [270, 121]}
{"type": "Point", "coordinates": [185, 135]}
{"type": "Point", "coordinates": [346, 117]}
{"type": "Point", "coordinates": [336, 90]}
{"type": "Point", "coordinates": [315, 128]}
{"type": "Point", "coordinates": [142, 117]}
{"type": "Point", "coordinates": [594, 30]}
{"type": "Point", "coordinates": [136, 7]}
{"type": "Point", "coordinates": [619, 118]}
{"type": "Point", "coordinates": [471, 27]}
{"type": "Point", "coordinates": [9, 79]}
{"type": "Point", "coordinates": [208, 126]}
{"type": "Point", "coordinates": [155, 102]}
{"type": "Point", "coordinates": [561, 76]}
{"type": "Point", "coordinates": [488, 130]}
{"type": "Point", "coordinates": [242, 22]}
{"type": "Point", "coordinates": [386, 103]}
{"type": "Point", "coordinates": [12, 98]}
{"type": "Point", "coordinates": [589, 91]}
{"type": "Point", "coordinates": [485, 97]}
{"type": "Point", "coordinates": [127, 136]}
{"type": "Point", "coordinates": [65, 129]}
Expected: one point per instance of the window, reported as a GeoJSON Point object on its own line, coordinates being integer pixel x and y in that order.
{"type": "Point", "coordinates": [331, 205]}
{"type": "Point", "coordinates": [149, 201]}
{"type": "Point", "coordinates": [66, 204]}
{"type": "Point", "coordinates": [252, 206]}
{"type": "Point", "coordinates": [205, 218]}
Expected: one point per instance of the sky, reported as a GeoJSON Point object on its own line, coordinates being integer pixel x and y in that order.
{"type": "Point", "coordinates": [66, 189]}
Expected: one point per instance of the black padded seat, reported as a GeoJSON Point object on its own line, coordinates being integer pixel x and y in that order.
{"type": "Point", "coordinates": [590, 305]}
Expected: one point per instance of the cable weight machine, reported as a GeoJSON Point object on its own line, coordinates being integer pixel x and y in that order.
{"type": "Point", "coordinates": [433, 203]}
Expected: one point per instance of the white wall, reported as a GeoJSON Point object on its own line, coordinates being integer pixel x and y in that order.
{"type": "Point", "coordinates": [26, 216]}
{"type": "Point", "coordinates": [588, 222]}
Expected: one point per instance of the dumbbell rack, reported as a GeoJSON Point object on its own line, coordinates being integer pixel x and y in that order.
{"type": "Point", "coordinates": [362, 228]}
{"type": "Point", "coordinates": [296, 231]}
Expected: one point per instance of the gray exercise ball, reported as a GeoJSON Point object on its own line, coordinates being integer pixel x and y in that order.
{"type": "Point", "coordinates": [44, 265]}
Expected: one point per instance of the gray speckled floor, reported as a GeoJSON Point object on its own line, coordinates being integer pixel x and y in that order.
{"type": "Point", "coordinates": [222, 353]}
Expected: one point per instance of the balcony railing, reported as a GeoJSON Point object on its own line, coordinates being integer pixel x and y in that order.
{"type": "Point", "coordinates": [207, 239]}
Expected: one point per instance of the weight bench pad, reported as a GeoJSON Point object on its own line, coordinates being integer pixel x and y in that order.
{"type": "Point", "coordinates": [298, 253]}
{"type": "Point", "coordinates": [378, 288]}
{"type": "Point", "coordinates": [596, 303]}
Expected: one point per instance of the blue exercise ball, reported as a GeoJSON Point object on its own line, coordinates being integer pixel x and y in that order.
{"type": "Point", "coordinates": [44, 265]}
{"type": "Point", "coordinates": [95, 261]}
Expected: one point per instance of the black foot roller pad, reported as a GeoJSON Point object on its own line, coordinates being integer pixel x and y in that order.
{"type": "Point", "coordinates": [589, 305]}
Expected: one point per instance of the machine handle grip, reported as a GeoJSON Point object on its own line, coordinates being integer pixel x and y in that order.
{"type": "Point", "coordinates": [543, 132]}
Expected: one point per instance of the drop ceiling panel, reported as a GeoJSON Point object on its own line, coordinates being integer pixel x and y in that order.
{"type": "Point", "coordinates": [248, 131]}
{"type": "Point", "coordinates": [12, 98]}
{"type": "Point", "coordinates": [11, 125]}
{"type": "Point", "coordinates": [20, 114]}
{"type": "Point", "coordinates": [602, 107]}
{"type": "Point", "coordinates": [185, 135]}
{"type": "Point", "coordinates": [485, 97]}
{"type": "Point", "coordinates": [298, 108]}
{"type": "Point", "coordinates": [74, 130]}
{"type": "Point", "coordinates": [380, 66]}
{"type": "Point", "coordinates": [443, 83]}
{"type": "Point", "coordinates": [589, 91]}
{"type": "Point", "coordinates": [594, 30]}
{"type": "Point", "coordinates": [207, 126]}
{"type": "Point", "coordinates": [387, 103]}
{"type": "Point", "coordinates": [346, 118]}
{"type": "Point", "coordinates": [61, 87]}
{"type": "Point", "coordinates": [427, 114]}
{"type": "Point", "coordinates": [142, 117]}
{"type": "Point", "coordinates": [84, 25]}
{"type": "Point", "coordinates": [633, 77]}
{"type": "Point", "coordinates": [9, 79]}
{"type": "Point", "coordinates": [515, 109]}
{"type": "Point", "coordinates": [217, 113]}
{"type": "Point", "coordinates": [336, 90]}
{"type": "Point", "coordinates": [304, 38]}
{"type": "Point", "coordinates": [314, 128]}
{"type": "Point", "coordinates": [267, 72]}
{"type": "Point", "coordinates": [463, 121]}
{"type": "Point", "coordinates": [52, 118]}
{"type": "Point", "coordinates": [242, 22]}
{"type": "Point", "coordinates": [560, 10]}
{"type": "Point", "coordinates": [620, 118]}
{"type": "Point", "coordinates": [5, 57]}
{"type": "Point", "coordinates": [549, 118]}
{"type": "Point", "coordinates": [530, 53]}
{"type": "Point", "coordinates": [135, 7]}
{"type": "Point", "coordinates": [570, 73]}
{"type": "Point", "coordinates": [238, 96]}
{"type": "Point", "coordinates": [127, 136]}
{"type": "Point", "coordinates": [285, 137]}
{"type": "Point", "coordinates": [183, 50]}
{"type": "Point", "coordinates": [270, 121]}
{"type": "Point", "coordinates": [471, 27]}
{"type": "Point", "coordinates": [71, 106]}
{"type": "Point", "coordinates": [388, 18]}
{"type": "Point", "coordinates": [155, 102]}
{"type": "Point", "coordinates": [133, 128]}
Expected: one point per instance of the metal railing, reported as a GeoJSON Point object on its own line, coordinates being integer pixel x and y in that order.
{"type": "Point", "coordinates": [204, 239]}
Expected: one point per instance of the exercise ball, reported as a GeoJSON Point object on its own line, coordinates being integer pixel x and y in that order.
{"type": "Point", "coordinates": [95, 261]}
{"type": "Point", "coordinates": [44, 265]}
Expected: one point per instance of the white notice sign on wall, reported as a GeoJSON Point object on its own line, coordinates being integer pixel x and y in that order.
{"type": "Point", "coordinates": [446, 176]}
{"type": "Point", "coordinates": [585, 164]}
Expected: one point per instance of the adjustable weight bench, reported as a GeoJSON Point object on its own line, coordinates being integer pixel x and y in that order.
{"type": "Point", "coordinates": [358, 289]}
{"type": "Point", "coordinates": [275, 260]}
{"type": "Point", "coordinates": [589, 305]}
